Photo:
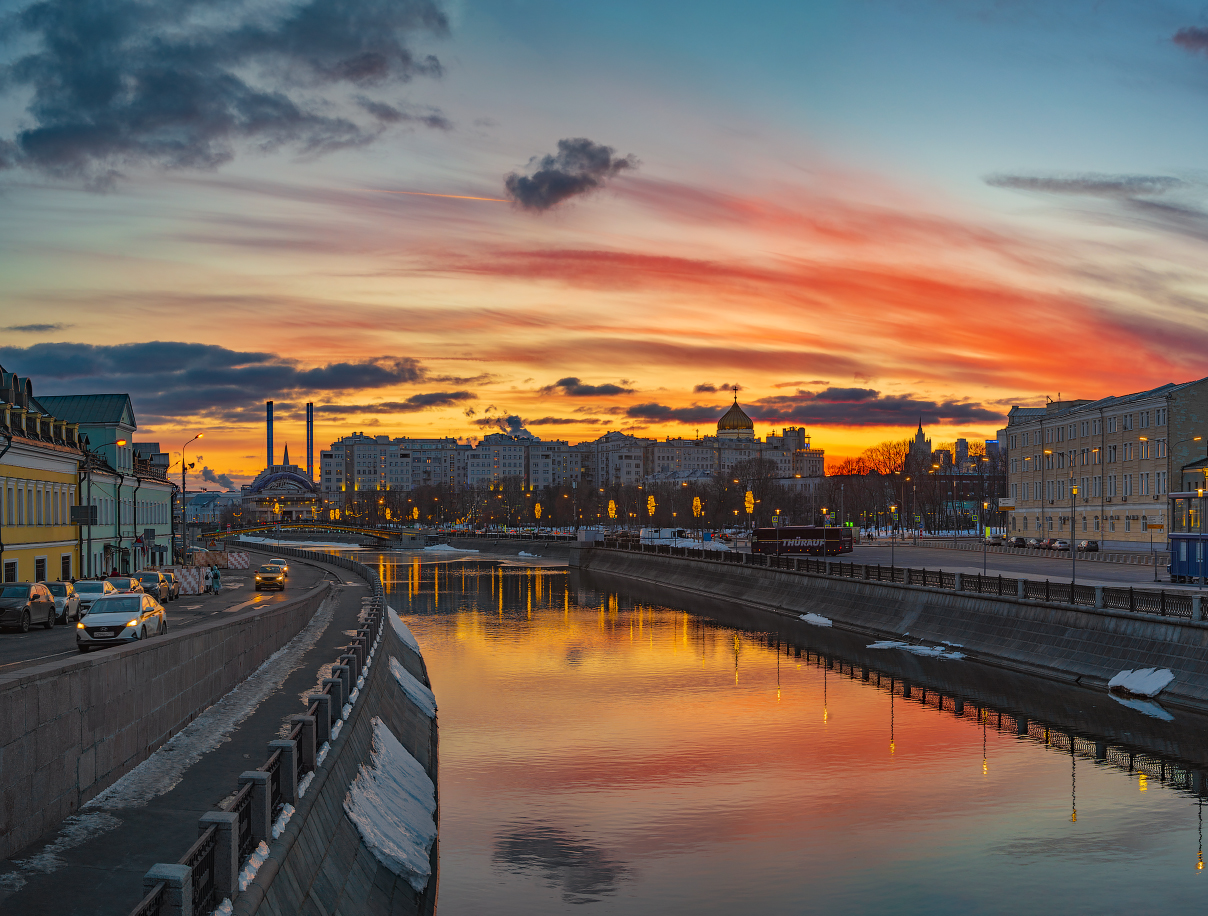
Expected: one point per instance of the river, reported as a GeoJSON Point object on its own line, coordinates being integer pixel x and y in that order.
{"type": "Point", "coordinates": [626, 752]}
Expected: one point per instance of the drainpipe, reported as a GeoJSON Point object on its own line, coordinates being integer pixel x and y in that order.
{"type": "Point", "coordinates": [7, 445]}
{"type": "Point", "coordinates": [1102, 479]}
{"type": "Point", "coordinates": [134, 511]}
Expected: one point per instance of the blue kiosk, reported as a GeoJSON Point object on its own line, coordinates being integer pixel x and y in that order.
{"type": "Point", "coordinates": [1188, 534]}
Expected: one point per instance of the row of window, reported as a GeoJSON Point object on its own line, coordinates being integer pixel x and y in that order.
{"type": "Point", "coordinates": [13, 571]}
{"type": "Point", "coordinates": [1020, 523]}
{"type": "Point", "coordinates": [1129, 451]}
{"type": "Point", "coordinates": [33, 504]}
{"type": "Point", "coordinates": [1149, 484]}
{"type": "Point", "coordinates": [1093, 427]}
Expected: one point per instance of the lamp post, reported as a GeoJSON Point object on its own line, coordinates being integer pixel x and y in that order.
{"type": "Point", "coordinates": [985, 533]}
{"type": "Point", "coordinates": [893, 533]}
{"type": "Point", "coordinates": [1073, 549]}
{"type": "Point", "coordinates": [184, 491]}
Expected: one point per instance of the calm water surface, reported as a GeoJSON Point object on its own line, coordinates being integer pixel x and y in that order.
{"type": "Point", "coordinates": [622, 756]}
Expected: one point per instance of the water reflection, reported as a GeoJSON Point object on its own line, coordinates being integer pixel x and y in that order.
{"type": "Point", "coordinates": [601, 746]}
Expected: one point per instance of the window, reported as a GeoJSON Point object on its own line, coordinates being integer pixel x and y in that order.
{"type": "Point", "coordinates": [1128, 523]}
{"type": "Point", "coordinates": [1111, 453]}
{"type": "Point", "coordinates": [1161, 448]}
{"type": "Point", "coordinates": [1128, 484]}
{"type": "Point", "coordinates": [10, 570]}
{"type": "Point", "coordinates": [1144, 419]}
{"type": "Point", "coordinates": [65, 567]}
{"type": "Point", "coordinates": [1096, 427]}
{"type": "Point", "coordinates": [40, 569]}
{"type": "Point", "coordinates": [1072, 430]}
{"type": "Point", "coordinates": [1112, 423]}
{"type": "Point", "coordinates": [1144, 484]}
{"type": "Point", "coordinates": [1160, 417]}
{"type": "Point", "coordinates": [1111, 485]}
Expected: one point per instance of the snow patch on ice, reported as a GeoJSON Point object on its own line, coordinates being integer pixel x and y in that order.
{"type": "Point", "coordinates": [1144, 682]}
{"type": "Point", "coordinates": [1146, 707]}
{"type": "Point", "coordinates": [885, 644]}
{"type": "Point", "coordinates": [924, 651]}
{"type": "Point", "coordinates": [816, 619]}
{"type": "Point", "coordinates": [524, 553]}
{"type": "Point", "coordinates": [287, 811]}
{"type": "Point", "coordinates": [392, 802]}
{"type": "Point", "coordinates": [420, 695]}
{"type": "Point", "coordinates": [254, 861]}
{"type": "Point", "coordinates": [161, 772]}
{"type": "Point", "coordinates": [401, 630]}
{"type": "Point", "coordinates": [447, 549]}
{"type": "Point", "coordinates": [304, 784]}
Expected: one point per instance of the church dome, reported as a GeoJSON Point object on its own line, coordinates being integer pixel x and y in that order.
{"type": "Point", "coordinates": [735, 419]}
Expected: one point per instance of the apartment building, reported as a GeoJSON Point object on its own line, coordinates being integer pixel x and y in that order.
{"type": "Point", "coordinates": [1102, 469]}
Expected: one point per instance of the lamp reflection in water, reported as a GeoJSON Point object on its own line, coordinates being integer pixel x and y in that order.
{"type": "Point", "coordinates": [892, 745]}
{"type": "Point", "coordinates": [1073, 783]}
{"type": "Point", "coordinates": [1199, 856]}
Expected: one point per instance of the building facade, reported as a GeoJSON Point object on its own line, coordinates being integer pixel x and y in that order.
{"type": "Point", "coordinates": [281, 493]}
{"type": "Point", "coordinates": [40, 456]}
{"type": "Point", "coordinates": [1102, 470]}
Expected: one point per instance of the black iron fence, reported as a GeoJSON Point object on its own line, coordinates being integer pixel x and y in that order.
{"type": "Point", "coordinates": [200, 859]}
{"type": "Point", "coordinates": [1139, 601]}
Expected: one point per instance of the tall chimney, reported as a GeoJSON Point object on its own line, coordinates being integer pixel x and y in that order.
{"type": "Point", "coordinates": [310, 440]}
{"type": "Point", "coordinates": [269, 405]}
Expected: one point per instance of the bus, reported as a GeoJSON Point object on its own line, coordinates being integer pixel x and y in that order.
{"type": "Point", "coordinates": [814, 540]}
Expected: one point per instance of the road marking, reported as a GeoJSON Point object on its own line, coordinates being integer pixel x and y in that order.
{"type": "Point", "coordinates": [239, 607]}
{"type": "Point", "coordinates": [190, 607]}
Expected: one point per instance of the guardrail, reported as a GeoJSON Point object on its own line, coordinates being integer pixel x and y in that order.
{"type": "Point", "coordinates": [1140, 601]}
{"type": "Point", "coordinates": [228, 836]}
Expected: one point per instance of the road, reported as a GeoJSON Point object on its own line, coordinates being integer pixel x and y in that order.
{"type": "Point", "coordinates": [40, 646]}
{"type": "Point", "coordinates": [1013, 565]}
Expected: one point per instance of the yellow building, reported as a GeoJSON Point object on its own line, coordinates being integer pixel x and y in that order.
{"type": "Point", "coordinates": [39, 483]}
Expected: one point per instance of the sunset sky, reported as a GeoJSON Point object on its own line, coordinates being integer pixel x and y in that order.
{"type": "Point", "coordinates": [862, 213]}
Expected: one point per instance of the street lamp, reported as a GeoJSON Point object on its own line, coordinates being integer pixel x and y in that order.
{"type": "Point", "coordinates": [184, 490]}
{"type": "Point", "coordinates": [1073, 547]}
{"type": "Point", "coordinates": [985, 533]}
{"type": "Point", "coordinates": [893, 533]}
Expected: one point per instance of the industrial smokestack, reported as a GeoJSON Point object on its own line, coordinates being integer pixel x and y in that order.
{"type": "Point", "coordinates": [310, 440]}
{"type": "Point", "coordinates": [269, 406]}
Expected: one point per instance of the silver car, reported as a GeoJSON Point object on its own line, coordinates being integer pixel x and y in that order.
{"type": "Point", "coordinates": [155, 584]}
{"type": "Point", "coordinates": [67, 602]}
{"type": "Point", "coordinates": [89, 590]}
{"type": "Point", "coordinates": [121, 618]}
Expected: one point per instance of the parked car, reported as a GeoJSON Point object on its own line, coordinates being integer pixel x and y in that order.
{"type": "Point", "coordinates": [91, 589]}
{"type": "Point", "coordinates": [1088, 546]}
{"type": "Point", "coordinates": [1060, 544]}
{"type": "Point", "coordinates": [118, 618]}
{"type": "Point", "coordinates": [1019, 542]}
{"type": "Point", "coordinates": [125, 583]}
{"type": "Point", "coordinates": [277, 561]}
{"type": "Point", "coordinates": [153, 583]}
{"type": "Point", "coordinates": [1035, 542]}
{"type": "Point", "coordinates": [173, 586]}
{"type": "Point", "coordinates": [270, 576]}
{"type": "Point", "coordinates": [23, 604]}
{"type": "Point", "coordinates": [994, 540]}
{"type": "Point", "coordinates": [67, 602]}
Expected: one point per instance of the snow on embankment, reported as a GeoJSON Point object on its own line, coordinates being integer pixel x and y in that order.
{"type": "Point", "coordinates": [392, 802]}
{"type": "Point", "coordinates": [445, 548]}
{"type": "Point", "coordinates": [1144, 682]}
{"type": "Point", "coordinates": [420, 695]}
{"type": "Point", "coordinates": [402, 631]}
{"type": "Point", "coordinates": [816, 619]}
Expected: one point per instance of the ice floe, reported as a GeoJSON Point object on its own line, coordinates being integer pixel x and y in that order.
{"type": "Point", "coordinates": [445, 548]}
{"type": "Point", "coordinates": [392, 802]}
{"type": "Point", "coordinates": [924, 651]}
{"type": "Point", "coordinates": [816, 619]}
{"type": "Point", "coordinates": [1144, 682]}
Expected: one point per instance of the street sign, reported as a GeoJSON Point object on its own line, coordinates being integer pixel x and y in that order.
{"type": "Point", "coordinates": [83, 515]}
{"type": "Point", "coordinates": [1158, 527]}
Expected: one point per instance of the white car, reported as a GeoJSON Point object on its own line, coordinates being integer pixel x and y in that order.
{"type": "Point", "coordinates": [67, 602]}
{"type": "Point", "coordinates": [120, 618]}
{"type": "Point", "coordinates": [279, 562]}
{"type": "Point", "coordinates": [89, 590]}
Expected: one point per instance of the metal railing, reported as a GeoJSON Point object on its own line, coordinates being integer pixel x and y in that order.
{"type": "Point", "coordinates": [1159, 602]}
{"type": "Point", "coordinates": [154, 904]}
{"type": "Point", "coordinates": [200, 859]}
{"type": "Point", "coordinates": [241, 805]}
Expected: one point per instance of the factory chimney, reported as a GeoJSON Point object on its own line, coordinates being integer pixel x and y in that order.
{"type": "Point", "coordinates": [310, 440]}
{"type": "Point", "coordinates": [269, 406]}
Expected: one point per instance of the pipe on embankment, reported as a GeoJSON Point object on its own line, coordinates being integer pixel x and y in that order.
{"type": "Point", "coordinates": [69, 730]}
{"type": "Point", "coordinates": [1080, 645]}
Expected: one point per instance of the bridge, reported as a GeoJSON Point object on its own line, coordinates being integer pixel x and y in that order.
{"type": "Point", "coordinates": [317, 527]}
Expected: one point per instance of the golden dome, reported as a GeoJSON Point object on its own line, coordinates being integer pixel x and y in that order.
{"type": "Point", "coordinates": [735, 418]}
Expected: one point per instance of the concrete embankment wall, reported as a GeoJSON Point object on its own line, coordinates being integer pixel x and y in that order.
{"type": "Point", "coordinates": [1082, 645]}
{"type": "Point", "coordinates": [70, 730]}
{"type": "Point", "coordinates": [319, 863]}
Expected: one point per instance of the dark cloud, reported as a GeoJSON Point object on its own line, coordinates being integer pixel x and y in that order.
{"type": "Point", "coordinates": [830, 407]}
{"type": "Point", "coordinates": [412, 404]}
{"type": "Point", "coordinates": [707, 388]}
{"type": "Point", "coordinates": [511, 424]}
{"type": "Point", "coordinates": [579, 167]}
{"type": "Point", "coordinates": [576, 388]}
{"type": "Point", "coordinates": [562, 421]}
{"type": "Point", "coordinates": [1192, 38]}
{"type": "Point", "coordinates": [584, 872]}
{"type": "Point", "coordinates": [183, 83]}
{"type": "Point", "coordinates": [221, 479]}
{"type": "Point", "coordinates": [169, 380]}
{"type": "Point", "coordinates": [1090, 184]}
{"type": "Point", "coordinates": [389, 114]}
{"type": "Point", "coordinates": [36, 328]}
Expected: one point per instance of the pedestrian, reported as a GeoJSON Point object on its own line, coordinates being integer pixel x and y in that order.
{"type": "Point", "coordinates": [217, 576]}
{"type": "Point", "coordinates": [207, 580]}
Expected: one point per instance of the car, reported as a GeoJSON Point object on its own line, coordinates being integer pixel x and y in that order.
{"type": "Point", "coordinates": [270, 576]}
{"type": "Point", "coordinates": [91, 589]}
{"type": "Point", "coordinates": [1035, 543]}
{"type": "Point", "coordinates": [1019, 542]}
{"type": "Point", "coordinates": [173, 586]}
{"type": "Point", "coordinates": [67, 602]}
{"type": "Point", "coordinates": [277, 561]}
{"type": "Point", "coordinates": [994, 540]}
{"type": "Point", "coordinates": [1060, 544]}
{"type": "Point", "coordinates": [22, 604]}
{"type": "Point", "coordinates": [154, 584]}
{"type": "Point", "coordinates": [125, 583]}
{"type": "Point", "coordinates": [120, 618]}
{"type": "Point", "coordinates": [1088, 546]}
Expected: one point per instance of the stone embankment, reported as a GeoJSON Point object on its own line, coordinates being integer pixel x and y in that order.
{"type": "Point", "coordinates": [342, 817]}
{"type": "Point", "coordinates": [1075, 644]}
{"type": "Point", "coordinates": [69, 730]}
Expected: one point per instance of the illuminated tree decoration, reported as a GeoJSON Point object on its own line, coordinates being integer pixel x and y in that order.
{"type": "Point", "coordinates": [696, 507]}
{"type": "Point", "coordinates": [650, 505]}
{"type": "Point", "coordinates": [537, 510]}
{"type": "Point", "coordinates": [612, 508]}
{"type": "Point", "coordinates": [415, 513]}
{"type": "Point", "coordinates": [749, 502]}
